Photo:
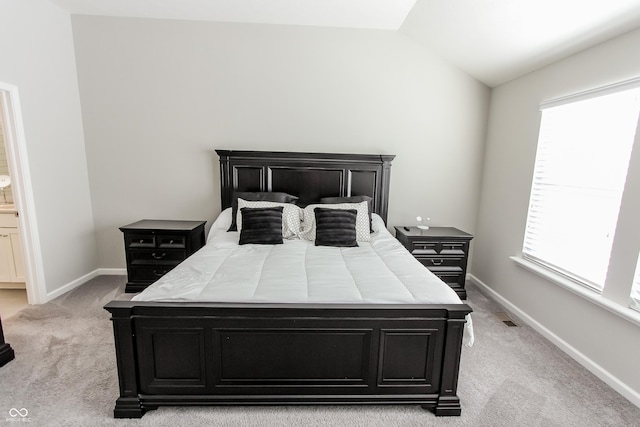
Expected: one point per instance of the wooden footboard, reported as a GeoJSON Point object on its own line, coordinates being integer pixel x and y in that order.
{"type": "Point", "coordinates": [6, 352]}
{"type": "Point", "coordinates": [235, 354]}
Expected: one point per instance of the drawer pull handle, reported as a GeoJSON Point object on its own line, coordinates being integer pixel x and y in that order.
{"type": "Point", "coordinates": [159, 273]}
{"type": "Point", "coordinates": [436, 261]}
{"type": "Point", "coordinates": [156, 256]}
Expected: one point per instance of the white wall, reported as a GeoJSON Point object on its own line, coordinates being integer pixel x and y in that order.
{"type": "Point", "coordinates": [36, 55]}
{"type": "Point", "coordinates": [159, 96]}
{"type": "Point", "coordinates": [609, 343]}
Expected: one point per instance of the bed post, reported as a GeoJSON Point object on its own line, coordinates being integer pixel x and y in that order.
{"type": "Point", "coordinates": [226, 187]}
{"type": "Point", "coordinates": [386, 180]}
{"type": "Point", "coordinates": [128, 404]}
{"type": "Point", "coordinates": [6, 352]}
{"type": "Point", "coordinates": [448, 401]}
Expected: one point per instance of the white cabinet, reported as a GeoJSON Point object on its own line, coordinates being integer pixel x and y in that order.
{"type": "Point", "coordinates": [11, 259]}
{"type": "Point", "coordinates": [6, 257]}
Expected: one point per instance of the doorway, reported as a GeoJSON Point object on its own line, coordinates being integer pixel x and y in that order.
{"type": "Point", "coordinates": [12, 130]}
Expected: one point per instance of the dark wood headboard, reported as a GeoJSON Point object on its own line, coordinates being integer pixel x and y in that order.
{"type": "Point", "coordinates": [310, 176]}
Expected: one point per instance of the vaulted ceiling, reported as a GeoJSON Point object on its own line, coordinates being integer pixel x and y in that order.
{"type": "Point", "coordinates": [498, 40]}
{"type": "Point", "coordinates": [492, 40]}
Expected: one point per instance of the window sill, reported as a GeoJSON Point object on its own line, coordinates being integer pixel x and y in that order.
{"type": "Point", "coordinates": [591, 296]}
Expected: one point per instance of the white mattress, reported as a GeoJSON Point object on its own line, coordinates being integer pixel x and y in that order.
{"type": "Point", "coordinates": [380, 271]}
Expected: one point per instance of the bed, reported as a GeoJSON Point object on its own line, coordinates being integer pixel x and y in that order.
{"type": "Point", "coordinates": [6, 352]}
{"type": "Point", "coordinates": [177, 351]}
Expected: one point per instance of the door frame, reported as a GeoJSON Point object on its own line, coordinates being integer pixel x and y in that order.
{"type": "Point", "coordinates": [17, 159]}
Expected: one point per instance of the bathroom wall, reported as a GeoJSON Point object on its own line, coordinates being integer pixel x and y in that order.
{"type": "Point", "coordinates": [4, 169]}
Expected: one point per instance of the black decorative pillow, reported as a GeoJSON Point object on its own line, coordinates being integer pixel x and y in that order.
{"type": "Point", "coordinates": [352, 199]}
{"type": "Point", "coordinates": [262, 226]}
{"type": "Point", "coordinates": [260, 196]}
{"type": "Point", "coordinates": [336, 227]}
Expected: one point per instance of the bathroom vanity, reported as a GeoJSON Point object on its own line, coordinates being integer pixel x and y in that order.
{"type": "Point", "coordinates": [12, 273]}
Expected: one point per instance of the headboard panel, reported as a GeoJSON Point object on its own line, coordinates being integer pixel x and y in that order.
{"type": "Point", "coordinates": [310, 176]}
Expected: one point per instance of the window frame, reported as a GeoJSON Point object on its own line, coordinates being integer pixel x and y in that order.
{"type": "Point", "coordinates": [634, 296]}
{"type": "Point", "coordinates": [562, 274]}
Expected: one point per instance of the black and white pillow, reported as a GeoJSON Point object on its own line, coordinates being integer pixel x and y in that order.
{"type": "Point", "coordinates": [336, 227]}
{"type": "Point", "coordinates": [268, 196]}
{"type": "Point", "coordinates": [363, 233]}
{"type": "Point", "coordinates": [353, 199]}
{"type": "Point", "coordinates": [291, 216]}
{"type": "Point", "coordinates": [262, 226]}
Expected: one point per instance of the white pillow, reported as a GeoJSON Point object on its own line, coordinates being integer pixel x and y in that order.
{"type": "Point", "coordinates": [221, 224]}
{"type": "Point", "coordinates": [291, 215]}
{"type": "Point", "coordinates": [362, 220]}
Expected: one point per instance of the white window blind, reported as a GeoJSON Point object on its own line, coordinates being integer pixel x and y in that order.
{"type": "Point", "coordinates": [635, 290]}
{"type": "Point", "coordinates": [581, 166]}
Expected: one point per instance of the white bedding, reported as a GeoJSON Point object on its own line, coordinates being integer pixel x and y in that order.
{"type": "Point", "coordinates": [380, 271]}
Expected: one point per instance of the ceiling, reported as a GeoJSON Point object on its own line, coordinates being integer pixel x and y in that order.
{"type": "Point", "coordinates": [498, 40]}
{"type": "Point", "coordinates": [379, 14]}
{"type": "Point", "coordinates": [492, 40]}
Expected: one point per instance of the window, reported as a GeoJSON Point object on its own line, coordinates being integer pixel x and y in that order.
{"type": "Point", "coordinates": [581, 165]}
{"type": "Point", "coordinates": [635, 290]}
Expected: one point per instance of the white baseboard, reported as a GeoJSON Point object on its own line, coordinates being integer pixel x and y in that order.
{"type": "Point", "coordinates": [82, 280]}
{"type": "Point", "coordinates": [70, 286]}
{"type": "Point", "coordinates": [112, 272]}
{"type": "Point", "coordinates": [614, 382]}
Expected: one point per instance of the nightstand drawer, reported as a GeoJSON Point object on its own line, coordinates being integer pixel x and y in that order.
{"type": "Point", "coordinates": [434, 263]}
{"type": "Point", "coordinates": [426, 248]}
{"type": "Point", "coordinates": [147, 274]}
{"type": "Point", "coordinates": [454, 248]}
{"type": "Point", "coordinates": [140, 240]}
{"type": "Point", "coordinates": [451, 277]}
{"type": "Point", "coordinates": [152, 241]}
{"type": "Point", "coordinates": [158, 256]}
{"type": "Point", "coordinates": [171, 242]}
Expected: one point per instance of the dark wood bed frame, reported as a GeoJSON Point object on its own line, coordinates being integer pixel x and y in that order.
{"type": "Point", "coordinates": [6, 352]}
{"type": "Point", "coordinates": [284, 354]}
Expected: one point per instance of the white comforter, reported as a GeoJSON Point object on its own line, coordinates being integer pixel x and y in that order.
{"type": "Point", "coordinates": [380, 271]}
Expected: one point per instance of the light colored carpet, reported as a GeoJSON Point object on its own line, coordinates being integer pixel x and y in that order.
{"type": "Point", "coordinates": [12, 301]}
{"type": "Point", "coordinates": [64, 374]}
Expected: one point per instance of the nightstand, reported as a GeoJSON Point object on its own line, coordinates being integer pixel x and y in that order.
{"type": "Point", "coordinates": [154, 247]}
{"type": "Point", "coordinates": [443, 250]}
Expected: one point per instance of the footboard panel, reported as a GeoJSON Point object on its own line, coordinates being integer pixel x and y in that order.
{"type": "Point", "coordinates": [196, 354]}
